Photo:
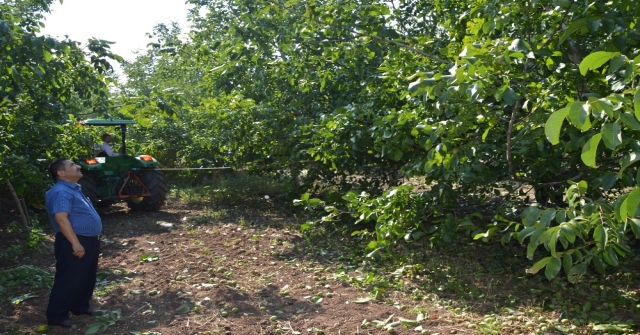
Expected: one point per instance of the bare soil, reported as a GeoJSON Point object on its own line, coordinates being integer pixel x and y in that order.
{"type": "Point", "coordinates": [192, 271]}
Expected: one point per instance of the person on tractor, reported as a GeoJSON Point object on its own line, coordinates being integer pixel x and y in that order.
{"type": "Point", "coordinates": [105, 147]}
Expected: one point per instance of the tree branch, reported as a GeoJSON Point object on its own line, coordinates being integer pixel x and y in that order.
{"type": "Point", "coordinates": [406, 46]}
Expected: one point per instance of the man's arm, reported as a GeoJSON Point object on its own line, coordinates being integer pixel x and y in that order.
{"type": "Point", "coordinates": [62, 219]}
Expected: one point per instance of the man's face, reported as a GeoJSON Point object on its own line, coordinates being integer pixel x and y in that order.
{"type": "Point", "coordinates": [107, 139]}
{"type": "Point", "coordinates": [71, 171]}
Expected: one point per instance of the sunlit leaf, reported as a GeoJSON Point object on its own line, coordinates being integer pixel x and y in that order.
{"type": "Point", "coordinates": [595, 60]}
{"type": "Point", "coordinates": [579, 115]}
{"type": "Point", "coordinates": [554, 125]}
{"type": "Point", "coordinates": [589, 150]}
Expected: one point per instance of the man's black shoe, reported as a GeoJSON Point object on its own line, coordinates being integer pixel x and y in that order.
{"type": "Point", "coordinates": [65, 324]}
{"type": "Point", "coordinates": [94, 312]}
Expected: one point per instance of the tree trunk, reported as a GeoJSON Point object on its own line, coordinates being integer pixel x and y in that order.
{"type": "Point", "coordinates": [25, 221]}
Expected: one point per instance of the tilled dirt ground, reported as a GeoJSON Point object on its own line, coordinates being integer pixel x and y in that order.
{"type": "Point", "coordinates": [188, 271]}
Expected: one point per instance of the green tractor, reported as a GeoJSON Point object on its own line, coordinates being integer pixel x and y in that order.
{"type": "Point", "coordinates": [111, 179]}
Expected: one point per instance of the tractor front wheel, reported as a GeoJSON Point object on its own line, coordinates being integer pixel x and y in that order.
{"type": "Point", "coordinates": [153, 180]}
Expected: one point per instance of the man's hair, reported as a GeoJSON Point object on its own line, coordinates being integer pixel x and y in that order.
{"type": "Point", "coordinates": [55, 166]}
{"type": "Point", "coordinates": [105, 135]}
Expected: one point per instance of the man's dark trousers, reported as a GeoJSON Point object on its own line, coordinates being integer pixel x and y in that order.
{"type": "Point", "coordinates": [75, 278]}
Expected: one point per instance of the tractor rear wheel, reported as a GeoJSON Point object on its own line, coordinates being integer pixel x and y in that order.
{"type": "Point", "coordinates": [154, 181]}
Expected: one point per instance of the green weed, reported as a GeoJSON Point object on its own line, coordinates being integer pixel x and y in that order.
{"type": "Point", "coordinates": [17, 283]}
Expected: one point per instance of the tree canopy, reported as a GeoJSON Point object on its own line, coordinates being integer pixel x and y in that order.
{"type": "Point", "coordinates": [356, 100]}
{"type": "Point", "coordinates": [44, 82]}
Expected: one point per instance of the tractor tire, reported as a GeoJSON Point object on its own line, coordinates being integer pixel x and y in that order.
{"type": "Point", "coordinates": [89, 183]}
{"type": "Point", "coordinates": [154, 181]}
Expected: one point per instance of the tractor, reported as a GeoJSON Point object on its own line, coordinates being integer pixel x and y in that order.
{"type": "Point", "coordinates": [135, 180]}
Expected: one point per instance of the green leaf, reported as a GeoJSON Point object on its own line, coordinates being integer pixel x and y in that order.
{"type": "Point", "coordinates": [589, 151]}
{"type": "Point", "coordinates": [183, 309]}
{"type": "Point", "coordinates": [530, 216]}
{"type": "Point", "coordinates": [598, 263]}
{"type": "Point", "coordinates": [531, 248]}
{"type": "Point", "coordinates": [606, 180]}
{"type": "Point", "coordinates": [551, 237]}
{"type": "Point", "coordinates": [567, 263]}
{"type": "Point", "coordinates": [553, 267]}
{"type": "Point", "coordinates": [553, 240]}
{"type": "Point", "coordinates": [567, 231]}
{"type": "Point", "coordinates": [518, 45]}
{"type": "Point", "coordinates": [576, 272]}
{"type": "Point", "coordinates": [408, 322]}
{"type": "Point", "coordinates": [616, 63]}
{"type": "Point", "coordinates": [582, 187]}
{"type": "Point", "coordinates": [572, 28]}
{"type": "Point", "coordinates": [47, 55]}
{"type": "Point", "coordinates": [630, 121]}
{"type": "Point", "coordinates": [632, 202]}
{"type": "Point", "coordinates": [636, 103]}
{"type": "Point", "coordinates": [595, 60]}
{"type": "Point", "coordinates": [600, 236]}
{"type": "Point", "coordinates": [42, 329]}
{"type": "Point", "coordinates": [635, 227]}
{"type": "Point", "coordinates": [604, 105]}
{"type": "Point", "coordinates": [627, 160]}
{"type": "Point", "coordinates": [608, 327]}
{"type": "Point", "coordinates": [554, 125]}
{"type": "Point", "coordinates": [93, 328]}
{"type": "Point", "coordinates": [620, 208]}
{"type": "Point", "coordinates": [547, 216]}
{"type": "Point", "coordinates": [524, 233]}
{"type": "Point", "coordinates": [509, 96]}
{"type": "Point", "coordinates": [539, 265]}
{"type": "Point", "coordinates": [506, 238]}
{"type": "Point", "coordinates": [610, 256]}
{"type": "Point", "coordinates": [612, 135]}
{"type": "Point", "coordinates": [579, 115]}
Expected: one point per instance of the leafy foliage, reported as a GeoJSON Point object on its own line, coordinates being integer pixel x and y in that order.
{"type": "Point", "coordinates": [352, 99]}
{"type": "Point", "coordinates": [533, 101]}
{"type": "Point", "coordinates": [43, 81]}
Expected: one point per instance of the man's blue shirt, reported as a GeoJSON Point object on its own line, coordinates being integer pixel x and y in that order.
{"type": "Point", "coordinates": [68, 197]}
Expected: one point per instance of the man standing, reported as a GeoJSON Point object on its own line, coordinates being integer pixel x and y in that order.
{"type": "Point", "coordinates": [106, 146]}
{"type": "Point", "coordinates": [77, 226]}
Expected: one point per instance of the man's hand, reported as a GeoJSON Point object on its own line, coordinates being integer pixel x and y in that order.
{"type": "Point", "coordinates": [78, 250]}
